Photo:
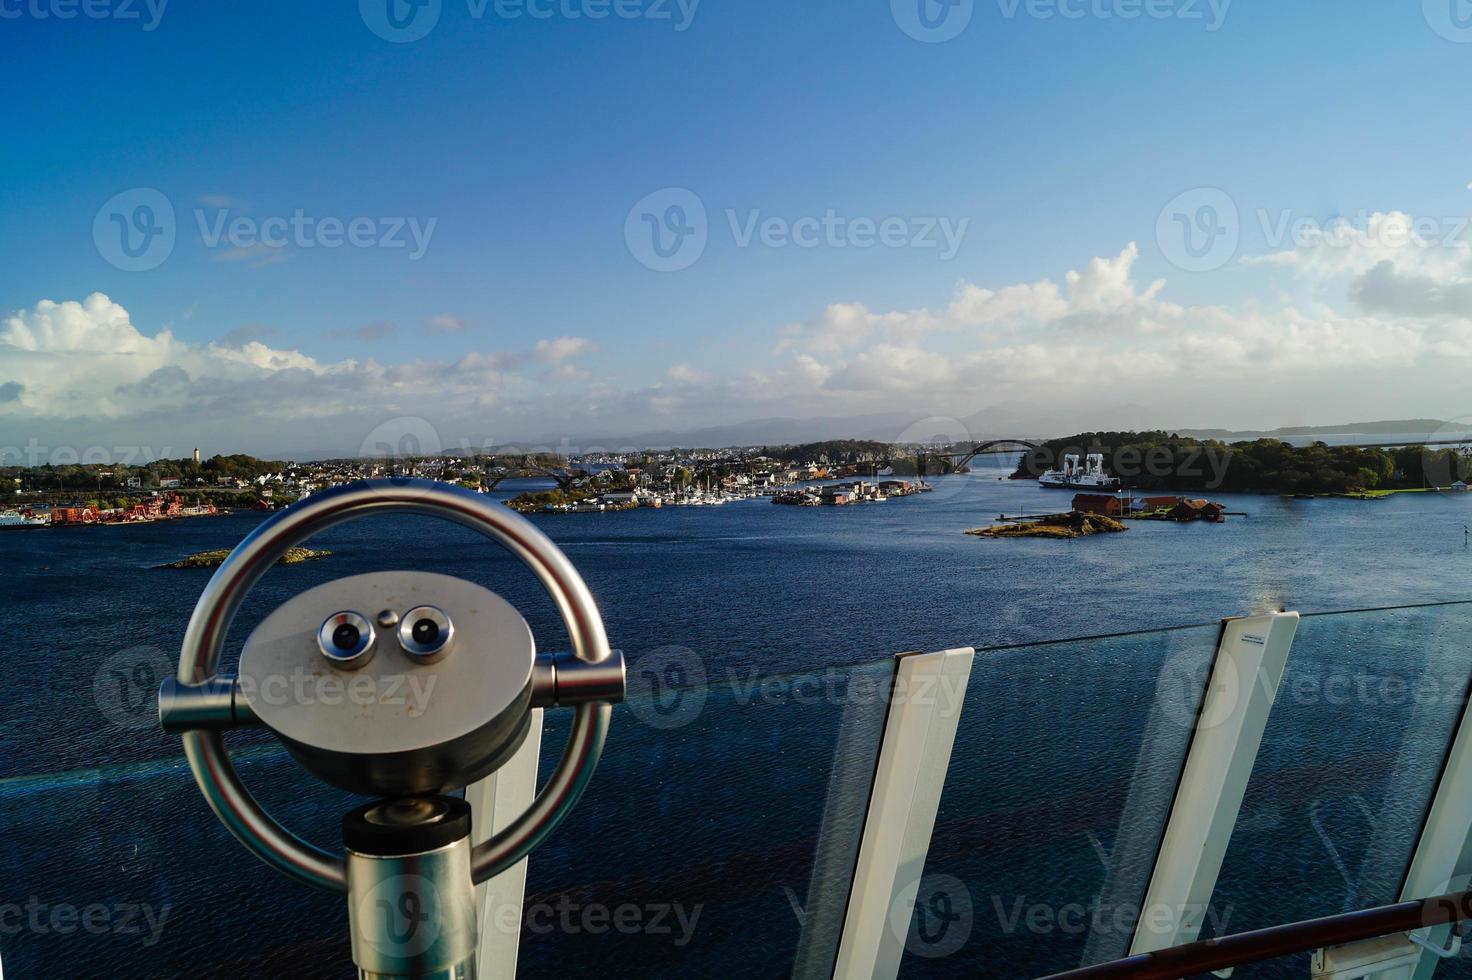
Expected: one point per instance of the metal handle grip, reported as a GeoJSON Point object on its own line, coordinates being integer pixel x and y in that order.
{"type": "Point", "coordinates": [242, 569]}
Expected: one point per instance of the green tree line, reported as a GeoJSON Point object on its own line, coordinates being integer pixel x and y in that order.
{"type": "Point", "coordinates": [1162, 461]}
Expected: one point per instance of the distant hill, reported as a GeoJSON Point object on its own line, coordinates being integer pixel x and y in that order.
{"type": "Point", "coordinates": [764, 432]}
{"type": "Point", "coordinates": [1001, 421]}
{"type": "Point", "coordinates": [1392, 427]}
{"type": "Point", "coordinates": [996, 422]}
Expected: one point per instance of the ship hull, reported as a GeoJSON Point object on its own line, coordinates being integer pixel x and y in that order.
{"type": "Point", "coordinates": [1076, 485]}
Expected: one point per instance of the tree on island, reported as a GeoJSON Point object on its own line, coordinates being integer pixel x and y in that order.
{"type": "Point", "coordinates": [1167, 462]}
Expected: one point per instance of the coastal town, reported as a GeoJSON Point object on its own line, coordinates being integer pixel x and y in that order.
{"type": "Point", "coordinates": [100, 495]}
{"type": "Point", "coordinates": [793, 494]}
{"type": "Point", "coordinates": [155, 507]}
{"type": "Point", "coordinates": [1104, 469]}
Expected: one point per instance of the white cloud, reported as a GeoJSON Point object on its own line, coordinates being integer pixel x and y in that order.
{"type": "Point", "coordinates": [1389, 264]}
{"type": "Point", "coordinates": [559, 349]}
{"type": "Point", "coordinates": [1102, 337]}
{"type": "Point", "coordinates": [84, 370]}
{"type": "Point", "coordinates": [1435, 246]}
{"type": "Point", "coordinates": [1388, 334]}
{"type": "Point", "coordinates": [1104, 287]}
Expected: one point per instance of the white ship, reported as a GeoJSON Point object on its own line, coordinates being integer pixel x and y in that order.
{"type": "Point", "coordinates": [14, 519]}
{"type": "Point", "coordinates": [1090, 476]}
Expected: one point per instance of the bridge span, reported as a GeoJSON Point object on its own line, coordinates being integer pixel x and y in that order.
{"type": "Point", "coordinates": [964, 457]}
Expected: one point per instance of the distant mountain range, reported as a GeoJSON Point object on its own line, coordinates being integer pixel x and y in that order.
{"type": "Point", "coordinates": [997, 422]}
{"type": "Point", "coordinates": [767, 432]}
{"type": "Point", "coordinates": [1393, 427]}
{"type": "Point", "coordinates": [1002, 421]}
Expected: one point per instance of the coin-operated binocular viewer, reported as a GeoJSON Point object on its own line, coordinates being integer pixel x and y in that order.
{"type": "Point", "coordinates": [409, 869]}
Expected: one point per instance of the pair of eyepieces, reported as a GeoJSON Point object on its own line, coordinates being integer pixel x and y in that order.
{"type": "Point", "coordinates": [425, 635]}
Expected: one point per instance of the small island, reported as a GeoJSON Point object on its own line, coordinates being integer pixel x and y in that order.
{"type": "Point", "coordinates": [212, 559]}
{"type": "Point", "coordinates": [1074, 524]}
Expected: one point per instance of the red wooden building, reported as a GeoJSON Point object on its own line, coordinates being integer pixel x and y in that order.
{"type": "Point", "coordinates": [1095, 503]}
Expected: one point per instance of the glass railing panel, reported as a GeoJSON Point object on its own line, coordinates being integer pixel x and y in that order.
{"type": "Point", "coordinates": [724, 818]}
{"type": "Point", "coordinates": [720, 835]}
{"type": "Point", "coordinates": [1061, 779]}
{"type": "Point", "coordinates": [1349, 761]}
{"type": "Point", "coordinates": [726, 815]}
{"type": "Point", "coordinates": [125, 872]}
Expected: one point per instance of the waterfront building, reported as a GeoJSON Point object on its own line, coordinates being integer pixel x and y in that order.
{"type": "Point", "coordinates": [1093, 503]}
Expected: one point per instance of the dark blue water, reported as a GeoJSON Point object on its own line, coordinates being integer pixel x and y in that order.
{"type": "Point", "coordinates": [721, 813]}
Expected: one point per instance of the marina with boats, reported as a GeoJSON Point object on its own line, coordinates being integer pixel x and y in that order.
{"type": "Point", "coordinates": [855, 492]}
{"type": "Point", "coordinates": [795, 495]}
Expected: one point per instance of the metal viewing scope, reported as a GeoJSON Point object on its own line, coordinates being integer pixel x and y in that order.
{"type": "Point", "coordinates": [469, 656]}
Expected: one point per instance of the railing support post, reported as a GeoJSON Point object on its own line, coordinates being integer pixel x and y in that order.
{"type": "Point", "coordinates": [1224, 743]}
{"type": "Point", "coordinates": [1443, 855]}
{"type": "Point", "coordinates": [914, 757]}
{"type": "Point", "coordinates": [494, 802]}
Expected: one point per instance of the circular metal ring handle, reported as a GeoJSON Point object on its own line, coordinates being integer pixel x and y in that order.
{"type": "Point", "coordinates": [220, 783]}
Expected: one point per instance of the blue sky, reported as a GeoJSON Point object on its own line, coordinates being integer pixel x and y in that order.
{"type": "Point", "coordinates": [526, 142]}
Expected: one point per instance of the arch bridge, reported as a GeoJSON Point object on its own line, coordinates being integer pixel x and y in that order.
{"type": "Point", "coordinates": [964, 457]}
{"type": "Point", "coordinates": [493, 475]}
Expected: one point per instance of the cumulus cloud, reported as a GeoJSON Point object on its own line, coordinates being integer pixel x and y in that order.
{"type": "Point", "coordinates": [84, 370]}
{"type": "Point", "coordinates": [1389, 263]}
{"type": "Point", "coordinates": [1387, 333]}
{"type": "Point", "coordinates": [1386, 289]}
{"type": "Point", "coordinates": [1101, 292]}
{"type": "Point", "coordinates": [1099, 334]}
{"type": "Point", "coordinates": [1437, 246]}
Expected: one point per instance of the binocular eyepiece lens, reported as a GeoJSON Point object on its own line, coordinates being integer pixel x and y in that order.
{"type": "Point", "coordinates": [425, 633]}
{"type": "Point", "coordinates": [346, 640]}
